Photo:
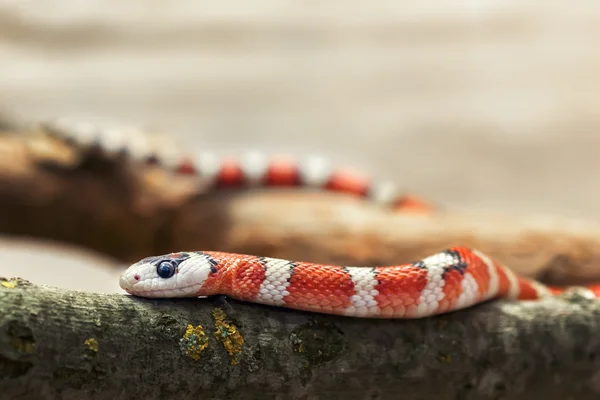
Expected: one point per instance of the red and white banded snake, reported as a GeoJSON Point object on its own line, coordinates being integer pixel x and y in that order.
{"type": "Point", "coordinates": [450, 280]}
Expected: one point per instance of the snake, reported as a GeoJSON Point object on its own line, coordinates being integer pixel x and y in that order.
{"type": "Point", "coordinates": [449, 280]}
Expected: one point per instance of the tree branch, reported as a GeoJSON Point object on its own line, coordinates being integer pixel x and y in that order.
{"type": "Point", "coordinates": [63, 344]}
{"type": "Point", "coordinates": [130, 212]}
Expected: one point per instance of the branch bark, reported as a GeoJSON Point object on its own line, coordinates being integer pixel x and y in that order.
{"type": "Point", "coordinates": [68, 345]}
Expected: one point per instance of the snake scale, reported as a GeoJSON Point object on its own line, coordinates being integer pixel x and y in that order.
{"type": "Point", "coordinates": [450, 280]}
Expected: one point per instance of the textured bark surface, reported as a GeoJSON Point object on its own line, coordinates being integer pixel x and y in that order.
{"type": "Point", "coordinates": [69, 345]}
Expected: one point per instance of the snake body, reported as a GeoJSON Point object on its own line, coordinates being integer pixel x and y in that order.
{"type": "Point", "coordinates": [450, 280]}
{"type": "Point", "coordinates": [250, 170]}
{"type": "Point", "coordinates": [447, 281]}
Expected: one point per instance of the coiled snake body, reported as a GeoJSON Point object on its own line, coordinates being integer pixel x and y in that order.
{"type": "Point", "coordinates": [449, 280]}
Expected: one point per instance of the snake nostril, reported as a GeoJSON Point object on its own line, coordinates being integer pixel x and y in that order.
{"type": "Point", "coordinates": [136, 277]}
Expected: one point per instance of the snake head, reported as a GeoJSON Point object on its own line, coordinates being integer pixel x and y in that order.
{"type": "Point", "coordinates": [170, 275]}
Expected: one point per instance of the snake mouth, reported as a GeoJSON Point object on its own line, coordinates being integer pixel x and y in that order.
{"type": "Point", "coordinates": [138, 288]}
{"type": "Point", "coordinates": [187, 291]}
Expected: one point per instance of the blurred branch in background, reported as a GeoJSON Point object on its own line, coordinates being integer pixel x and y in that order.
{"type": "Point", "coordinates": [128, 211]}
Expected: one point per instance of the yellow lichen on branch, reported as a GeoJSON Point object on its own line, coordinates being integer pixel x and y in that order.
{"type": "Point", "coordinates": [228, 334]}
{"type": "Point", "coordinates": [194, 342]}
{"type": "Point", "coordinates": [10, 284]}
{"type": "Point", "coordinates": [92, 344]}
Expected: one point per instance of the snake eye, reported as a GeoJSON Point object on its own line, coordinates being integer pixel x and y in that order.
{"type": "Point", "coordinates": [165, 269]}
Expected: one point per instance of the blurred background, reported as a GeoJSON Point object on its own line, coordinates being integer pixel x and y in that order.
{"type": "Point", "coordinates": [472, 104]}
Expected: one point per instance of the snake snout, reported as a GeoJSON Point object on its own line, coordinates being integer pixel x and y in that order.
{"type": "Point", "coordinates": [125, 281]}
